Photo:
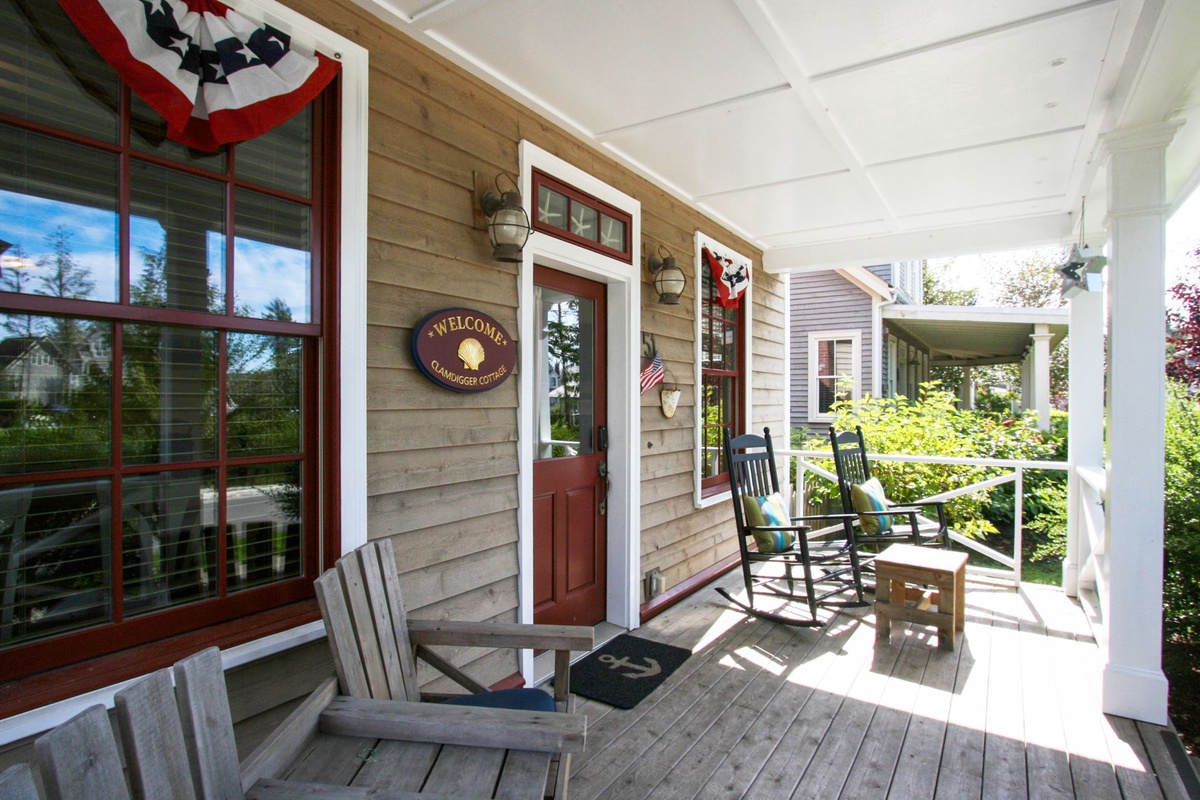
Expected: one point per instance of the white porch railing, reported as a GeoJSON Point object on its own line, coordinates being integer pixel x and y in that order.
{"type": "Point", "coordinates": [1088, 526]}
{"type": "Point", "coordinates": [1013, 471]}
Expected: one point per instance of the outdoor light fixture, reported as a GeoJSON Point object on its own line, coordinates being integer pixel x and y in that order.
{"type": "Point", "coordinates": [669, 279]}
{"type": "Point", "coordinates": [508, 224]}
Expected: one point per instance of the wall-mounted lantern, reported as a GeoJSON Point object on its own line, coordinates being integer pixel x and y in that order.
{"type": "Point", "coordinates": [669, 280]}
{"type": "Point", "coordinates": [508, 224]}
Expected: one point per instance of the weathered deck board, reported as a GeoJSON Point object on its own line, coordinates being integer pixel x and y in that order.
{"type": "Point", "coordinates": [763, 711]}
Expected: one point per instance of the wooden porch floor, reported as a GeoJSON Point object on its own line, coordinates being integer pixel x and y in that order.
{"type": "Point", "coordinates": [764, 711]}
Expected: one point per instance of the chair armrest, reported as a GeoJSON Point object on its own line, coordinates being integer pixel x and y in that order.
{"type": "Point", "coordinates": [285, 744]}
{"type": "Point", "coordinates": [466, 725]}
{"type": "Point", "coordinates": [505, 634]}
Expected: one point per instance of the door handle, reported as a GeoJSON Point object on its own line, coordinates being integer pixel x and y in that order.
{"type": "Point", "coordinates": [607, 487]}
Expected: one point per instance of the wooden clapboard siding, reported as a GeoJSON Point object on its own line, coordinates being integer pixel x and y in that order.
{"type": "Point", "coordinates": [825, 301]}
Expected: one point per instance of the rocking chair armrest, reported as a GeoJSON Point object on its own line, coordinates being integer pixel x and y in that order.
{"type": "Point", "coordinates": [473, 726]}
{"type": "Point", "coordinates": [502, 634]}
{"type": "Point", "coordinates": [827, 517]}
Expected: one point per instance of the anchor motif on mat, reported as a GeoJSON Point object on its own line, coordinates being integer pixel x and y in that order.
{"type": "Point", "coordinates": [650, 669]}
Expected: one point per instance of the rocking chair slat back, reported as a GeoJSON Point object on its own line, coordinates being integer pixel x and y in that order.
{"type": "Point", "coordinates": [850, 458]}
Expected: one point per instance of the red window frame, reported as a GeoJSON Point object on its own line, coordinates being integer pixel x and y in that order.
{"type": "Point", "coordinates": [575, 197]}
{"type": "Point", "coordinates": [59, 666]}
{"type": "Point", "coordinates": [710, 312]}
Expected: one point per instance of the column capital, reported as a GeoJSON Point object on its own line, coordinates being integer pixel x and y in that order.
{"type": "Point", "coordinates": [1140, 137]}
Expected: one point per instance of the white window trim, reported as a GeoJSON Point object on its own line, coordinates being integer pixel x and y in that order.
{"type": "Point", "coordinates": [624, 282]}
{"type": "Point", "coordinates": [746, 304]}
{"type": "Point", "coordinates": [352, 353]}
{"type": "Point", "coordinates": [814, 337]}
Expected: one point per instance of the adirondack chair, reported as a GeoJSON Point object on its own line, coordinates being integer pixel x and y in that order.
{"type": "Point", "coordinates": [16, 783]}
{"type": "Point", "coordinates": [828, 569]}
{"type": "Point", "coordinates": [374, 644]}
{"type": "Point", "coordinates": [79, 759]}
{"type": "Point", "coordinates": [180, 743]}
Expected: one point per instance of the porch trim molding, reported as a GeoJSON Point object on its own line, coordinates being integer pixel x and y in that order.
{"type": "Point", "coordinates": [624, 282]}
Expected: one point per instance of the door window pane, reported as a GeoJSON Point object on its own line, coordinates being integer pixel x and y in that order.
{"type": "Point", "coordinates": [266, 374]}
{"type": "Point", "coordinates": [566, 375]}
{"type": "Point", "coordinates": [55, 382]}
{"type": "Point", "coordinates": [272, 257]}
{"type": "Point", "coordinates": [169, 553]}
{"type": "Point", "coordinates": [177, 240]}
{"type": "Point", "coordinates": [264, 532]}
{"type": "Point", "coordinates": [58, 557]}
{"type": "Point", "coordinates": [58, 209]}
{"type": "Point", "coordinates": [170, 394]}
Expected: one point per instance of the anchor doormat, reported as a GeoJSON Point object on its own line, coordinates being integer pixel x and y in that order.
{"type": "Point", "coordinates": [626, 670]}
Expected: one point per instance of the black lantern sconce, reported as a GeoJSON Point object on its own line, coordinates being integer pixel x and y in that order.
{"type": "Point", "coordinates": [669, 280]}
{"type": "Point", "coordinates": [507, 223]}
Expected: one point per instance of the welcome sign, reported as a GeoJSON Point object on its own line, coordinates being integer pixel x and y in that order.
{"type": "Point", "coordinates": [464, 350]}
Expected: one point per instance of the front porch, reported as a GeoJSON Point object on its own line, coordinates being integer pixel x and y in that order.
{"type": "Point", "coordinates": [761, 710]}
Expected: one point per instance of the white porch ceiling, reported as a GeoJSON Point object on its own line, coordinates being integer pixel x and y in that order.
{"type": "Point", "coordinates": [972, 335]}
{"type": "Point", "coordinates": [845, 133]}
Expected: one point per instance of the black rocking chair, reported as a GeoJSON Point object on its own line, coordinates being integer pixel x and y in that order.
{"type": "Point", "coordinates": [828, 568]}
{"type": "Point", "coordinates": [853, 469]}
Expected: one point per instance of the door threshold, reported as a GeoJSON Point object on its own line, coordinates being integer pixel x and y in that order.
{"type": "Point", "coordinates": [543, 663]}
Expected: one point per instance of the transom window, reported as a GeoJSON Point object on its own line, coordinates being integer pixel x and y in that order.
{"type": "Point", "coordinates": [565, 212]}
{"type": "Point", "coordinates": [161, 342]}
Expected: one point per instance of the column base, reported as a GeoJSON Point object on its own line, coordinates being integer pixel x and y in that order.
{"type": "Point", "coordinates": [1135, 693]}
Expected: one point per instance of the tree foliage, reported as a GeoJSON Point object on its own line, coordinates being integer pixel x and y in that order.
{"type": "Point", "coordinates": [1183, 324]}
{"type": "Point", "coordinates": [1181, 514]}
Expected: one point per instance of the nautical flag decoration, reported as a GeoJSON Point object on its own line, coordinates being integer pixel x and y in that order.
{"type": "Point", "coordinates": [732, 277]}
{"type": "Point", "coordinates": [653, 374]}
{"type": "Point", "coordinates": [215, 76]}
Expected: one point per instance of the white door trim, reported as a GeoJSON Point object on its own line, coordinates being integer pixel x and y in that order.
{"type": "Point", "coordinates": [624, 404]}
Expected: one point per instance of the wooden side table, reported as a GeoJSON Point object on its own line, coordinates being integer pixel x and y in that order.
{"type": "Point", "coordinates": [902, 566]}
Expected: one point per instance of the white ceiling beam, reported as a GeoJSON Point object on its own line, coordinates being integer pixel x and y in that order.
{"type": "Point", "coordinates": [1011, 234]}
{"type": "Point", "coordinates": [766, 30]}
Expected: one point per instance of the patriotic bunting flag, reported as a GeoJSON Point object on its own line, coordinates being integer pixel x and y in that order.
{"type": "Point", "coordinates": [215, 76]}
{"type": "Point", "coordinates": [731, 277]}
{"type": "Point", "coordinates": [653, 374]}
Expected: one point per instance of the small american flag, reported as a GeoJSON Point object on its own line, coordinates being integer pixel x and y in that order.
{"type": "Point", "coordinates": [653, 374]}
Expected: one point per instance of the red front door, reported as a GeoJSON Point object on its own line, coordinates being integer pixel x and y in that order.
{"type": "Point", "coordinates": [570, 459]}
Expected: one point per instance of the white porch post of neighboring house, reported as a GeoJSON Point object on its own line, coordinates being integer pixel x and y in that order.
{"type": "Point", "coordinates": [1085, 434]}
{"type": "Point", "coordinates": [967, 390]}
{"type": "Point", "coordinates": [1039, 370]}
{"type": "Point", "coordinates": [1134, 684]}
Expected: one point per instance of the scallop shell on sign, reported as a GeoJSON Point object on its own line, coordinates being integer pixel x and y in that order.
{"type": "Point", "coordinates": [471, 353]}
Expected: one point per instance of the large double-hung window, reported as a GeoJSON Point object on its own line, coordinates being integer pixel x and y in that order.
{"type": "Point", "coordinates": [164, 327]}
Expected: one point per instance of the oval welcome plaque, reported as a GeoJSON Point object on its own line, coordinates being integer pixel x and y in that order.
{"type": "Point", "coordinates": [464, 350]}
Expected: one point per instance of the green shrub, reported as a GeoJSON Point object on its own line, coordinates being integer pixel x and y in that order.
{"type": "Point", "coordinates": [1181, 517]}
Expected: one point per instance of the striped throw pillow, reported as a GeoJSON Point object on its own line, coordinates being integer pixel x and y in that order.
{"type": "Point", "coordinates": [768, 511]}
{"type": "Point", "coordinates": [869, 496]}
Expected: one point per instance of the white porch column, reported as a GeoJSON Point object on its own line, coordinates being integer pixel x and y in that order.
{"type": "Point", "coordinates": [1134, 684]}
{"type": "Point", "coordinates": [967, 390]}
{"type": "Point", "coordinates": [1085, 435]}
{"type": "Point", "coordinates": [1039, 372]}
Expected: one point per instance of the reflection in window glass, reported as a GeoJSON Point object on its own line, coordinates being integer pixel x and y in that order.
{"type": "Point", "coordinates": [264, 533]}
{"type": "Point", "coordinates": [49, 74]}
{"type": "Point", "coordinates": [281, 158]}
{"type": "Point", "coordinates": [170, 391]}
{"type": "Point", "coordinates": [584, 221]}
{"type": "Point", "coordinates": [58, 552]}
{"type": "Point", "coordinates": [265, 376]}
{"type": "Point", "coordinates": [55, 379]}
{"type": "Point", "coordinates": [718, 412]}
{"type": "Point", "coordinates": [565, 411]}
{"type": "Point", "coordinates": [149, 134]}
{"type": "Point", "coordinates": [58, 211]}
{"type": "Point", "coordinates": [272, 258]}
{"type": "Point", "coordinates": [177, 243]}
{"type": "Point", "coordinates": [169, 540]}
{"type": "Point", "coordinates": [612, 233]}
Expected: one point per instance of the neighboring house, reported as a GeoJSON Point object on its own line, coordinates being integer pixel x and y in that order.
{"type": "Point", "coordinates": [863, 330]}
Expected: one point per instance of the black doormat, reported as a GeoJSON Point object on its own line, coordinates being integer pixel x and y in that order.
{"type": "Point", "coordinates": [626, 670]}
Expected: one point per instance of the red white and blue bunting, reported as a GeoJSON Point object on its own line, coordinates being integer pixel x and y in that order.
{"type": "Point", "coordinates": [214, 75]}
{"type": "Point", "coordinates": [731, 272]}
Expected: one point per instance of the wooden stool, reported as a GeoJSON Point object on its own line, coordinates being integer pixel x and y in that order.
{"type": "Point", "coordinates": [902, 565]}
